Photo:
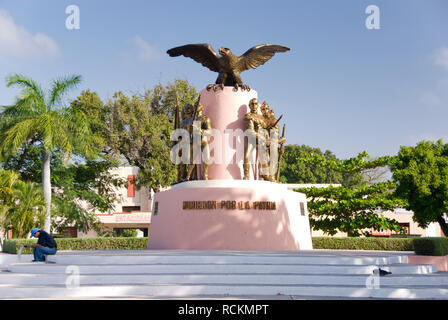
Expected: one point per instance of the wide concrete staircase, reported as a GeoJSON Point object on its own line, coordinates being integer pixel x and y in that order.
{"type": "Point", "coordinates": [167, 274]}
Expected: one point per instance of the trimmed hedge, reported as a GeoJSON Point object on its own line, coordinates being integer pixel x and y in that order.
{"type": "Point", "coordinates": [110, 243]}
{"type": "Point", "coordinates": [431, 246]}
{"type": "Point", "coordinates": [368, 243]}
{"type": "Point", "coordinates": [105, 243]}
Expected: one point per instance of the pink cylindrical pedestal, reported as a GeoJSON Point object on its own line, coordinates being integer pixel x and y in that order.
{"type": "Point", "coordinates": [230, 215]}
{"type": "Point", "coordinates": [226, 109]}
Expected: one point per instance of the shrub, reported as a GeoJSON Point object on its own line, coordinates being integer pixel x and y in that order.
{"type": "Point", "coordinates": [110, 243]}
{"type": "Point", "coordinates": [131, 233]}
{"type": "Point", "coordinates": [13, 245]}
{"type": "Point", "coordinates": [431, 246]}
{"type": "Point", "coordinates": [367, 243]}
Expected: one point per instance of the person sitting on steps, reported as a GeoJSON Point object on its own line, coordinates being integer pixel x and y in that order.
{"type": "Point", "coordinates": [45, 245]}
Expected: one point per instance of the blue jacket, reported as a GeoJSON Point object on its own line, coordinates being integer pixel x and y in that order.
{"type": "Point", "coordinates": [46, 240]}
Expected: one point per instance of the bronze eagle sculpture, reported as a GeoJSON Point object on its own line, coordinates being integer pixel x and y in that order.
{"type": "Point", "coordinates": [228, 65]}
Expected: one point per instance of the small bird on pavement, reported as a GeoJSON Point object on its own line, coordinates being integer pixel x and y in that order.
{"type": "Point", "coordinates": [381, 272]}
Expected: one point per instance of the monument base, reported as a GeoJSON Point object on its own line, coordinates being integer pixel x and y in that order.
{"type": "Point", "coordinates": [229, 215]}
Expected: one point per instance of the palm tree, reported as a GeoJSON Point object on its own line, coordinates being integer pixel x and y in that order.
{"type": "Point", "coordinates": [28, 209]}
{"type": "Point", "coordinates": [21, 204]}
{"type": "Point", "coordinates": [8, 180]}
{"type": "Point", "coordinates": [43, 119]}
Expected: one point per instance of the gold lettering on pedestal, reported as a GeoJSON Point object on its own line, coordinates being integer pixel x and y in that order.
{"type": "Point", "coordinates": [189, 205]}
{"type": "Point", "coordinates": [229, 205]}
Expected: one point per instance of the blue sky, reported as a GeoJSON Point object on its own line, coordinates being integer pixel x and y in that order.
{"type": "Point", "coordinates": [342, 87]}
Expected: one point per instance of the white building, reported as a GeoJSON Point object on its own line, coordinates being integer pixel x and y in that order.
{"type": "Point", "coordinates": [132, 210]}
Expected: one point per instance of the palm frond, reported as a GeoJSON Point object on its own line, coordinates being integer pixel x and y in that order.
{"type": "Point", "coordinates": [27, 85]}
{"type": "Point", "coordinates": [15, 136]}
{"type": "Point", "coordinates": [25, 107]}
{"type": "Point", "coordinates": [60, 87]}
{"type": "Point", "coordinates": [79, 126]}
{"type": "Point", "coordinates": [48, 126]}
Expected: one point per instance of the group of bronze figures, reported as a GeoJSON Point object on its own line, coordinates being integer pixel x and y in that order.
{"type": "Point", "coordinates": [262, 129]}
{"type": "Point", "coordinates": [194, 120]}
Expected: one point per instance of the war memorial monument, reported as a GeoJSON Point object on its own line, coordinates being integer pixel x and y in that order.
{"type": "Point", "coordinates": [228, 154]}
{"type": "Point", "coordinates": [227, 229]}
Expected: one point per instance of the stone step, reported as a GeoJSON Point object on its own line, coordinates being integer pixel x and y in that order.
{"type": "Point", "coordinates": [225, 259]}
{"type": "Point", "coordinates": [148, 291]}
{"type": "Point", "coordinates": [183, 273]}
{"type": "Point", "coordinates": [435, 280]}
{"type": "Point", "coordinates": [7, 259]}
{"type": "Point", "coordinates": [205, 268]}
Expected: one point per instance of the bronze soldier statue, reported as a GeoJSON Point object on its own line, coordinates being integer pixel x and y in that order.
{"type": "Point", "coordinates": [255, 124]}
{"type": "Point", "coordinates": [271, 125]}
{"type": "Point", "coordinates": [202, 124]}
{"type": "Point", "coordinates": [186, 124]}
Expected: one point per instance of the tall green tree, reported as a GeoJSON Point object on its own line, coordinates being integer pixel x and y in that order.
{"type": "Point", "coordinates": [356, 209]}
{"type": "Point", "coordinates": [421, 173]}
{"type": "Point", "coordinates": [295, 170]}
{"type": "Point", "coordinates": [163, 98]}
{"type": "Point", "coordinates": [142, 138]}
{"type": "Point", "coordinates": [73, 202]}
{"type": "Point", "coordinates": [305, 164]}
{"type": "Point", "coordinates": [42, 117]}
{"type": "Point", "coordinates": [137, 127]}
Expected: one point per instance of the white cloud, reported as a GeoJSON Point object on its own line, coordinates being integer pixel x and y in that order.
{"type": "Point", "coordinates": [441, 57]}
{"type": "Point", "coordinates": [145, 51]}
{"type": "Point", "coordinates": [430, 98]}
{"type": "Point", "coordinates": [17, 41]}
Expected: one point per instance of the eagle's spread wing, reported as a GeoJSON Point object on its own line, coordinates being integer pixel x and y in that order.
{"type": "Point", "coordinates": [202, 53]}
{"type": "Point", "coordinates": [258, 55]}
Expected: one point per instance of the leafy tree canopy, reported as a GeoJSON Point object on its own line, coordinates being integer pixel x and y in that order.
{"type": "Point", "coordinates": [138, 128]}
{"type": "Point", "coordinates": [421, 173]}
{"type": "Point", "coordinates": [295, 170]}
{"type": "Point", "coordinates": [73, 202]}
{"type": "Point", "coordinates": [305, 164]}
{"type": "Point", "coordinates": [353, 209]}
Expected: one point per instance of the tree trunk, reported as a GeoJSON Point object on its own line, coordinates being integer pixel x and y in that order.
{"type": "Point", "coordinates": [443, 225]}
{"type": "Point", "coordinates": [46, 186]}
